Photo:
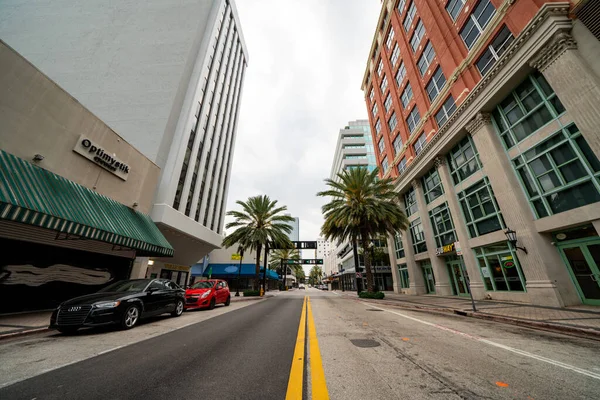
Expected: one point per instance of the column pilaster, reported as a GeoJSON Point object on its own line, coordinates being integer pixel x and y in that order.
{"type": "Point", "coordinates": [442, 281]}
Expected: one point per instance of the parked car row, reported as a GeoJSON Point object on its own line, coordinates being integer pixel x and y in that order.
{"type": "Point", "coordinates": [124, 303]}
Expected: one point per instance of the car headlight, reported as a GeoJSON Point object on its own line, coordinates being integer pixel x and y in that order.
{"type": "Point", "coordinates": [205, 295]}
{"type": "Point", "coordinates": [107, 304]}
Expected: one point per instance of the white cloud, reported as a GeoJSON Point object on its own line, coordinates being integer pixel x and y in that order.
{"type": "Point", "coordinates": [306, 63]}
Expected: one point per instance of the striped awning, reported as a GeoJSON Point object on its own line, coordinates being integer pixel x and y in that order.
{"type": "Point", "coordinates": [34, 196]}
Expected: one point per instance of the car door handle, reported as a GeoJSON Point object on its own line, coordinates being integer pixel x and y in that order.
{"type": "Point", "coordinates": [594, 278]}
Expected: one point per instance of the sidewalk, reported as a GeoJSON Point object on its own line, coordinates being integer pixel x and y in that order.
{"type": "Point", "coordinates": [582, 319]}
{"type": "Point", "coordinates": [25, 323]}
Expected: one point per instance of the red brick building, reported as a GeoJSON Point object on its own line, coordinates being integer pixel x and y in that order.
{"type": "Point", "coordinates": [466, 99]}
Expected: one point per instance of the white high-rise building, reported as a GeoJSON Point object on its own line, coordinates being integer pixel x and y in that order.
{"type": "Point", "coordinates": [167, 76]}
{"type": "Point", "coordinates": [294, 235]}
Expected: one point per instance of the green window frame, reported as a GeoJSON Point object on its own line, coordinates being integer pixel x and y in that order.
{"type": "Point", "coordinates": [432, 185]}
{"type": "Point", "coordinates": [404, 278]}
{"type": "Point", "coordinates": [480, 209]}
{"type": "Point", "coordinates": [398, 246]}
{"type": "Point", "coordinates": [463, 160]}
{"type": "Point", "coordinates": [526, 109]}
{"type": "Point", "coordinates": [443, 228]}
{"type": "Point", "coordinates": [496, 277]}
{"type": "Point", "coordinates": [560, 173]}
{"type": "Point", "coordinates": [410, 202]}
{"type": "Point", "coordinates": [418, 236]}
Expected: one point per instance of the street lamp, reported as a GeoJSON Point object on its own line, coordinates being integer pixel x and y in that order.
{"type": "Point", "coordinates": [512, 238]}
{"type": "Point", "coordinates": [237, 289]}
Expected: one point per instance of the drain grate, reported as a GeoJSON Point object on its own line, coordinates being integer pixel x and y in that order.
{"type": "Point", "coordinates": [364, 343]}
{"type": "Point", "coordinates": [373, 309]}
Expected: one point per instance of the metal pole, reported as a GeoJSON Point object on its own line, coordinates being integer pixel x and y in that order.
{"type": "Point", "coordinates": [237, 288]}
{"type": "Point", "coordinates": [356, 267]}
{"type": "Point", "coordinates": [468, 281]}
{"type": "Point", "coordinates": [264, 280]}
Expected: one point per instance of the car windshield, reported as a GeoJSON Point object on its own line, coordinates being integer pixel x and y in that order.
{"type": "Point", "coordinates": [136, 285]}
{"type": "Point", "coordinates": [203, 285]}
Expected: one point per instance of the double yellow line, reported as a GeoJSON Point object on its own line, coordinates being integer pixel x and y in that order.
{"type": "Point", "coordinates": [317, 375]}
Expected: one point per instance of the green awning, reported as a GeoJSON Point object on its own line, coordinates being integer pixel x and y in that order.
{"type": "Point", "coordinates": [34, 196]}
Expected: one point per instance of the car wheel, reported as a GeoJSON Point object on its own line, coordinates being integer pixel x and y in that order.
{"type": "Point", "coordinates": [130, 317]}
{"type": "Point", "coordinates": [67, 331]}
{"type": "Point", "coordinates": [212, 304]}
{"type": "Point", "coordinates": [228, 301]}
{"type": "Point", "coordinates": [178, 309]}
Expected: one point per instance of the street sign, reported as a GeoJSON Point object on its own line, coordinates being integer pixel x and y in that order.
{"type": "Point", "coordinates": [303, 245]}
{"type": "Point", "coordinates": [303, 261]}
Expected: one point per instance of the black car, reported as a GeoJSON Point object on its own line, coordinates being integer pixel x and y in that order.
{"type": "Point", "coordinates": [123, 303]}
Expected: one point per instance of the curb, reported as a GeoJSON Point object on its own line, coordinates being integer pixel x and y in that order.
{"type": "Point", "coordinates": [587, 333]}
{"type": "Point", "coordinates": [26, 332]}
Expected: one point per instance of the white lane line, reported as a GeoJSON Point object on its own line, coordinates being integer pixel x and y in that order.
{"type": "Point", "coordinates": [498, 345]}
{"type": "Point", "coordinates": [336, 293]}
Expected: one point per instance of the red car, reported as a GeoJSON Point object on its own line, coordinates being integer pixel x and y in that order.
{"type": "Point", "coordinates": [207, 294]}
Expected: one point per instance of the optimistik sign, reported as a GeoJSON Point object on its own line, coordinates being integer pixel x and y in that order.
{"type": "Point", "coordinates": [98, 155]}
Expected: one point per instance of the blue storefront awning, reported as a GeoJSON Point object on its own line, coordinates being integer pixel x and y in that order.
{"type": "Point", "coordinates": [231, 271]}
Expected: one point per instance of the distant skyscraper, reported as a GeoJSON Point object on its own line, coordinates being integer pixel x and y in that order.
{"type": "Point", "coordinates": [294, 235]}
{"type": "Point", "coordinates": [354, 148]}
{"type": "Point", "coordinates": [165, 75]}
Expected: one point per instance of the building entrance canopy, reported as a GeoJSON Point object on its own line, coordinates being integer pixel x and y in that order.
{"type": "Point", "coordinates": [34, 196]}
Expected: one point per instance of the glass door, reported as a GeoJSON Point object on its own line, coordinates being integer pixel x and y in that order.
{"type": "Point", "coordinates": [429, 278]}
{"type": "Point", "coordinates": [584, 266]}
{"type": "Point", "coordinates": [457, 277]}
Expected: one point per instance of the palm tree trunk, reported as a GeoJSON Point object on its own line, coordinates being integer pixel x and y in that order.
{"type": "Point", "coordinates": [367, 256]}
{"type": "Point", "coordinates": [256, 285]}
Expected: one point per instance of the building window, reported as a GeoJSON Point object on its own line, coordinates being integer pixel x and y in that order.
{"type": "Point", "coordinates": [384, 165]}
{"type": "Point", "coordinates": [403, 274]}
{"type": "Point", "coordinates": [380, 68]}
{"type": "Point", "coordinates": [418, 236]}
{"type": "Point", "coordinates": [410, 16]}
{"type": "Point", "coordinates": [355, 156]}
{"type": "Point", "coordinates": [420, 144]}
{"type": "Point", "coordinates": [529, 107]}
{"type": "Point", "coordinates": [388, 102]}
{"type": "Point", "coordinates": [378, 126]}
{"type": "Point", "coordinates": [494, 50]}
{"type": "Point", "coordinates": [374, 110]}
{"type": "Point", "coordinates": [453, 7]}
{"type": "Point", "coordinates": [402, 166]}
{"type": "Point", "coordinates": [477, 21]}
{"type": "Point", "coordinates": [390, 38]}
{"type": "Point", "coordinates": [425, 59]}
{"type": "Point", "coordinates": [407, 95]}
{"type": "Point", "coordinates": [381, 145]}
{"type": "Point", "coordinates": [398, 144]}
{"type": "Point", "coordinates": [401, 74]}
{"type": "Point", "coordinates": [463, 160]}
{"type": "Point", "coordinates": [392, 122]}
{"type": "Point", "coordinates": [436, 83]}
{"type": "Point", "coordinates": [410, 202]}
{"type": "Point", "coordinates": [443, 229]}
{"type": "Point", "coordinates": [560, 173]}
{"type": "Point", "coordinates": [398, 246]}
{"type": "Point", "coordinates": [384, 84]}
{"type": "Point", "coordinates": [184, 168]}
{"type": "Point", "coordinates": [480, 209]}
{"type": "Point", "coordinates": [500, 268]}
{"type": "Point", "coordinates": [445, 111]}
{"type": "Point", "coordinates": [395, 55]}
{"type": "Point", "coordinates": [417, 36]}
{"type": "Point", "coordinates": [372, 95]}
{"type": "Point", "coordinates": [401, 5]}
{"type": "Point", "coordinates": [432, 185]}
{"type": "Point", "coordinates": [413, 119]}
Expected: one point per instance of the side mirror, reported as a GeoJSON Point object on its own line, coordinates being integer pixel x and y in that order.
{"type": "Point", "coordinates": [152, 290]}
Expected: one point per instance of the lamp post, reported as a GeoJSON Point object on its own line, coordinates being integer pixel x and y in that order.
{"type": "Point", "coordinates": [237, 286]}
{"type": "Point", "coordinates": [264, 280]}
{"type": "Point", "coordinates": [356, 267]}
{"type": "Point", "coordinates": [512, 238]}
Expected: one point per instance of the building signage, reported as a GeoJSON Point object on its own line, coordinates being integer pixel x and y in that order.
{"type": "Point", "coordinates": [97, 154]}
{"type": "Point", "coordinates": [382, 269]}
{"type": "Point", "coordinates": [458, 248]}
{"type": "Point", "coordinates": [175, 267]}
{"type": "Point", "coordinates": [236, 256]}
{"type": "Point", "coordinates": [449, 248]}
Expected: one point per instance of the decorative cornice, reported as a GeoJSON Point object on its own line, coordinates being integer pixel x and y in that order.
{"type": "Point", "coordinates": [561, 42]}
{"type": "Point", "coordinates": [439, 161]}
{"type": "Point", "coordinates": [476, 123]}
{"type": "Point", "coordinates": [416, 184]}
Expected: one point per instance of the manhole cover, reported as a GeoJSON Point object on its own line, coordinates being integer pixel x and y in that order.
{"type": "Point", "coordinates": [365, 343]}
{"type": "Point", "coordinates": [373, 309]}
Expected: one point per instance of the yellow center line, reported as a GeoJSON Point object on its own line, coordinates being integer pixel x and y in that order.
{"type": "Point", "coordinates": [317, 375]}
{"type": "Point", "coordinates": [294, 389]}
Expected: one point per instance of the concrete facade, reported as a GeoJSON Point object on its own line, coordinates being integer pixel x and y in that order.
{"type": "Point", "coordinates": [555, 260]}
{"type": "Point", "coordinates": [167, 76]}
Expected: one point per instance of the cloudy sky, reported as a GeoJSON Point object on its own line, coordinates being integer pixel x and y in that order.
{"type": "Point", "coordinates": [306, 63]}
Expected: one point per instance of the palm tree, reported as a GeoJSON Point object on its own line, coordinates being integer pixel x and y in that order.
{"type": "Point", "coordinates": [362, 206]}
{"type": "Point", "coordinates": [276, 261]}
{"type": "Point", "coordinates": [259, 223]}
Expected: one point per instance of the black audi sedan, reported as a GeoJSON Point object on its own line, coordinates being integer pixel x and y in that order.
{"type": "Point", "coordinates": [123, 303]}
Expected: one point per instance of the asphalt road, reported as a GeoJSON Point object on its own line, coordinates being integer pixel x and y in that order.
{"type": "Point", "coordinates": [368, 351]}
{"type": "Point", "coordinates": [243, 354]}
